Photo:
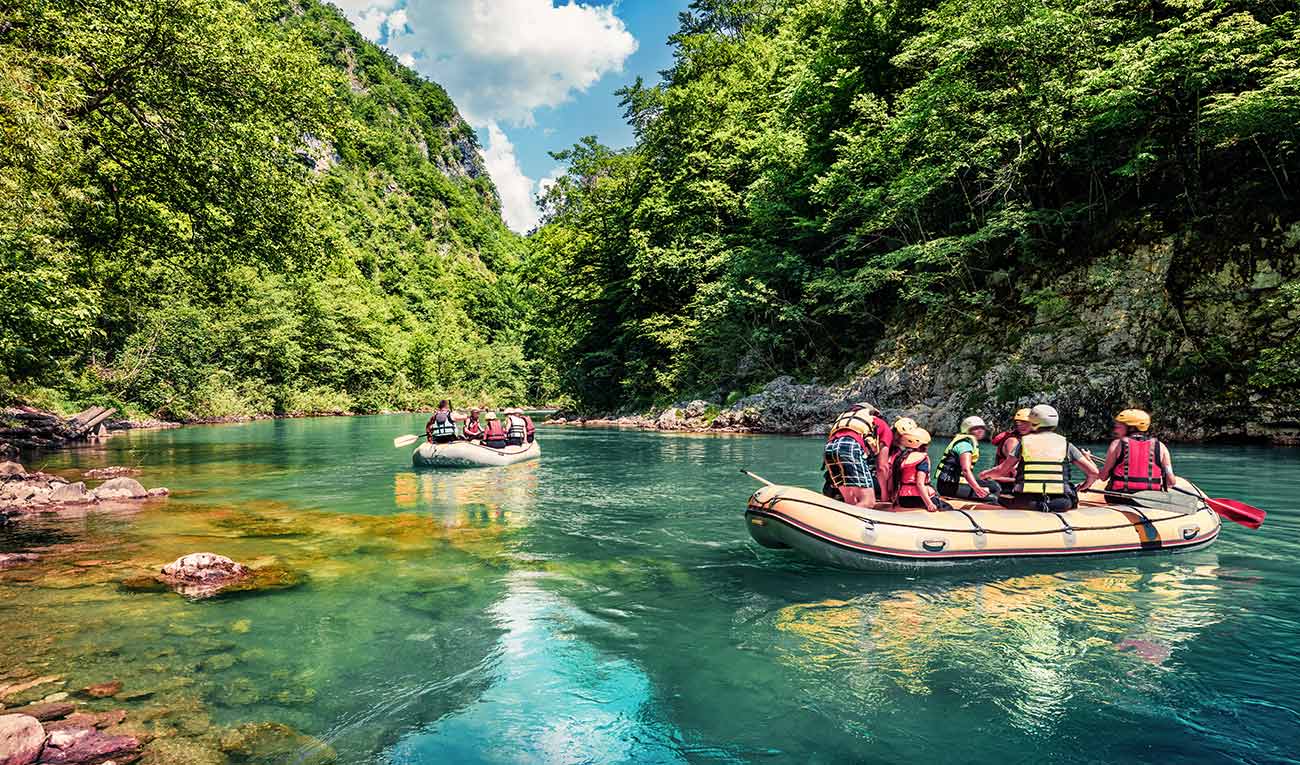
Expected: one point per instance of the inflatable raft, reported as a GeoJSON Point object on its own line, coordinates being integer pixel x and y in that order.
{"type": "Point", "coordinates": [466, 454]}
{"type": "Point", "coordinates": [842, 535]}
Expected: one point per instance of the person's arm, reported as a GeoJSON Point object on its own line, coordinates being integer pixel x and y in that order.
{"type": "Point", "coordinates": [883, 475]}
{"type": "Point", "coordinates": [1087, 466]}
{"type": "Point", "coordinates": [969, 474]}
{"type": "Point", "coordinates": [428, 426]}
{"type": "Point", "coordinates": [1112, 457]}
{"type": "Point", "coordinates": [1006, 469]}
{"type": "Point", "coordinates": [923, 485]}
{"type": "Point", "coordinates": [1167, 465]}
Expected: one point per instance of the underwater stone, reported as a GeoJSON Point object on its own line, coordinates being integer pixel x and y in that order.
{"type": "Point", "coordinates": [103, 690]}
{"type": "Point", "coordinates": [9, 560]}
{"type": "Point", "coordinates": [271, 742]}
{"type": "Point", "coordinates": [175, 751]}
{"type": "Point", "coordinates": [88, 745]}
{"type": "Point", "coordinates": [45, 711]}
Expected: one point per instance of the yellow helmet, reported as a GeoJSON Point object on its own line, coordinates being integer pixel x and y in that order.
{"type": "Point", "coordinates": [915, 438]}
{"type": "Point", "coordinates": [1134, 418]}
{"type": "Point", "coordinates": [1022, 415]}
{"type": "Point", "coordinates": [904, 425]}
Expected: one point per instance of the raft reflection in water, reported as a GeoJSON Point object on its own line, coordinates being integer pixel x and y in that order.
{"type": "Point", "coordinates": [1029, 644]}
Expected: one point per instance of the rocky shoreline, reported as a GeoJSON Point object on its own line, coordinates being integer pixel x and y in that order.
{"type": "Point", "coordinates": [24, 494]}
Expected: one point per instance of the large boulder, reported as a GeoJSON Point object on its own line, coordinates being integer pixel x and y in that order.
{"type": "Point", "coordinates": [121, 488]}
{"type": "Point", "coordinates": [21, 739]}
{"type": "Point", "coordinates": [12, 471]}
{"type": "Point", "coordinates": [203, 574]}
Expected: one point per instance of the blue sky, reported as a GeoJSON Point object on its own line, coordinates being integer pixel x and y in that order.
{"type": "Point", "coordinates": [531, 76]}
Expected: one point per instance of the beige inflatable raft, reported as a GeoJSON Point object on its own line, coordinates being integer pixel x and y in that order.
{"type": "Point", "coordinates": [466, 454]}
{"type": "Point", "coordinates": [842, 535]}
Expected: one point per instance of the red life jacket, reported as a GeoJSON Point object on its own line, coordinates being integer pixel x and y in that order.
{"type": "Point", "coordinates": [473, 429]}
{"type": "Point", "coordinates": [529, 427]}
{"type": "Point", "coordinates": [493, 431]}
{"type": "Point", "coordinates": [1000, 441]}
{"type": "Point", "coordinates": [1139, 467]}
{"type": "Point", "coordinates": [905, 470]}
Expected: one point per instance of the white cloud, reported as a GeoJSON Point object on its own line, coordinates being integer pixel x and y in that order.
{"type": "Point", "coordinates": [502, 59]}
{"type": "Point", "coordinates": [518, 207]}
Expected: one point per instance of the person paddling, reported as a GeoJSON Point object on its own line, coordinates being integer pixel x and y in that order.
{"type": "Point", "coordinates": [856, 457]}
{"type": "Point", "coordinates": [472, 430]}
{"type": "Point", "coordinates": [1041, 466]}
{"type": "Point", "coordinates": [958, 464]}
{"type": "Point", "coordinates": [911, 473]}
{"type": "Point", "coordinates": [1135, 461]}
{"type": "Point", "coordinates": [441, 427]}
{"type": "Point", "coordinates": [494, 435]}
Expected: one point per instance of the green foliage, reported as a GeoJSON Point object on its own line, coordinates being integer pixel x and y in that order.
{"type": "Point", "coordinates": [811, 173]}
{"type": "Point", "coordinates": [215, 207]}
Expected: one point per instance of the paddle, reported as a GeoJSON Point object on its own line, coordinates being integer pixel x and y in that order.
{"type": "Point", "coordinates": [1238, 512]}
{"type": "Point", "coordinates": [758, 478]}
{"type": "Point", "coordinates": [406, 440]}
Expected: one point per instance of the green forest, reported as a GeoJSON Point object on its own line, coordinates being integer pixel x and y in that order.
{"type": "Point", "coordinates": [219, 207]}
{"type": "Point", "coordinates": [213, 208]}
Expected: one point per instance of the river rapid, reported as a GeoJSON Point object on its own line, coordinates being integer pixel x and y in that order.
{"type": "Point", "coordinates": [605, 604]}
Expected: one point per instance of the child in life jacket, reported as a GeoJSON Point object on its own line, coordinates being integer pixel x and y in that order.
{"type": "Point", "coordinates": [911, 473]}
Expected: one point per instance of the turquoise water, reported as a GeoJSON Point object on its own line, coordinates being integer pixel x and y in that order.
{"type": "Point", "coordinates": [605, 604]}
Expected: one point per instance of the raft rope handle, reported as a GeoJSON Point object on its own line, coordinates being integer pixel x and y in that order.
{"type": "Point", "coordinates": [977, 530]}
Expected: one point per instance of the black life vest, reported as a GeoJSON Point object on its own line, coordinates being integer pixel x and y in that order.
{"type": "Point", "coordinates": [950, 463]}
{"type": "Point", "coordinates": [444, 427]}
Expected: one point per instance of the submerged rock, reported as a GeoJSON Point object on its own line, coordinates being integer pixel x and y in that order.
{"type": "Point", "coordinates": [9, 560]}
{"type": "Point", "coordinates": [273, 742]}
{"type": "Point", "coordinates": [88, 745]}
{"type": "Point", "coordinates": [199, 576]}
{"type": "Point", "coordinates": [178, 751]}
{"type": "Point", "coordinates": [115, 471]}
{"type": "Point", "coordinates": [45, 711]}
{"type": "Point", "coordinates": [103, 690]}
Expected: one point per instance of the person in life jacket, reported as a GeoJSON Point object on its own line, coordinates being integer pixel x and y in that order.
{"type": "Point", "coordinates": [1041, 466]}
{"type": "Point", "coordinates": [856, 457]}
{"type": "Point", "coordinates": [472, 430]}
{"type": "Point", "coordinates": [441, 427]}
{"type": "Point", "coordinates": [516, 427]}
{"type": "Point", "coordinates": [911, 473]}
{"type": "Point", "coordinates": [1135, 461]}
{"type": "Point", "coordinates": [1008, 438]}
{"type": "Point", "coordinates": [493, 434]}
{"type": "Point", "coordinates": [901, 425]}
{"type": "Point", "coordinates": [958, 464]}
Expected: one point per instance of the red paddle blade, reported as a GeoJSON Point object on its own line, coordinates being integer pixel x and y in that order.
{"type": "Point", "coordinates": [1238, 512]}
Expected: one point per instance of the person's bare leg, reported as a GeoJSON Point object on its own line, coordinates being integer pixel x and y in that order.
{"type": "Point", "coordinates": [858, 496]}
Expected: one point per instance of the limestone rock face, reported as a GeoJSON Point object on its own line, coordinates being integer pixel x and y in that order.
{"type": "Point", "coordinates": [21, 739]}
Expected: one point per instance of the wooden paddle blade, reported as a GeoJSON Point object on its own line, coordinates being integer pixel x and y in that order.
{"type": "Point", "coordinates": [1238, 512]}
{"type": "Point", "coordinates": [406, 440]}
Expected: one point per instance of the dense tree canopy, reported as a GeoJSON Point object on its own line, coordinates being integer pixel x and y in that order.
{"type": "Point", "coordinates": [213, 207]}
{"type": "Point", "coordinates": [810, 173]}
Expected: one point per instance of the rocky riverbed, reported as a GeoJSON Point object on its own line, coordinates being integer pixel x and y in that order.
{"type": "Point", "coordinates": [23, 493]}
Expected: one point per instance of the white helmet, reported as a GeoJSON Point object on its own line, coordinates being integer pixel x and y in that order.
{"type": "Point", "coordinates": [972, 422]}
{"type": "Point", "coordinates": [1044, 416]}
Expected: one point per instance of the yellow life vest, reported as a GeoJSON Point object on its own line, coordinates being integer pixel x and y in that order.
{"type": "Point", "coordinates": [1044, 464]}
{"type": "Point", "coordinates": [861, 422]}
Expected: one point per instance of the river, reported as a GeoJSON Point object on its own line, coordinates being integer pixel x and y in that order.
{"type": "Point", "coordinates": [605, 604]}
